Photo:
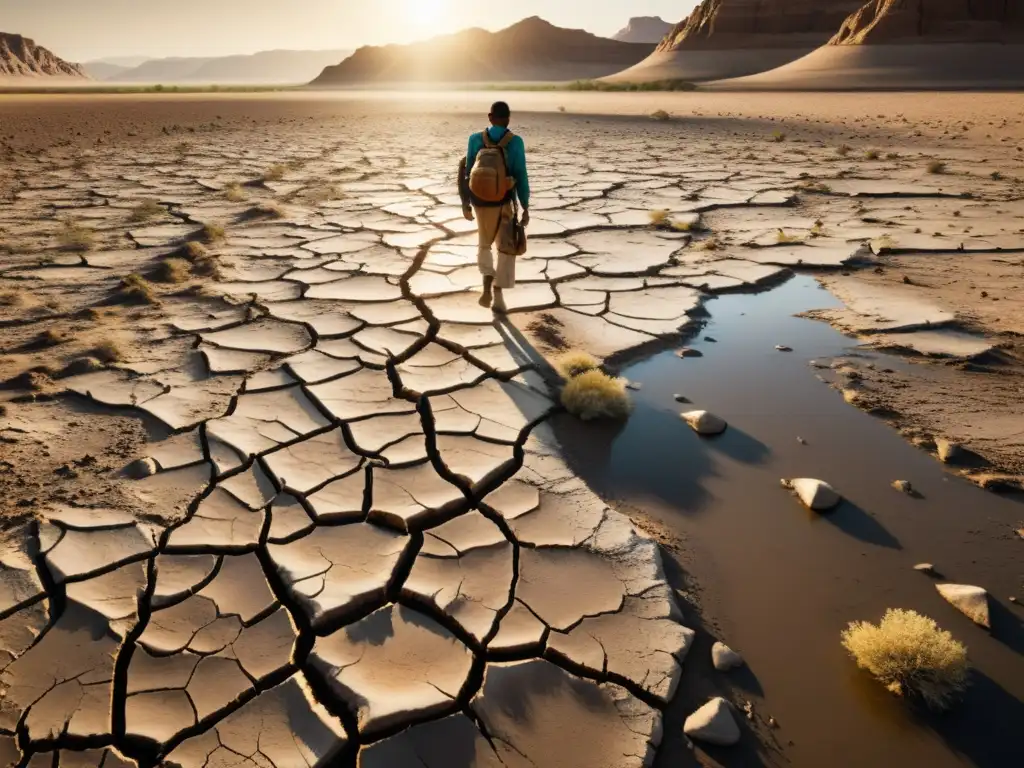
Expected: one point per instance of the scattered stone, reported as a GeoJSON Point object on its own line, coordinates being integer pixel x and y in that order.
{"type": "Point", "coordinates": [713, 723]}
{"type": "Point", "coordinates": [972, 602]}
{"type": "Point", "coordinates": [711, 339]}
{"type": "Point", "coordinates": [725, 658]}
{"type": "Point", "coordinates": [903, 486]}
{"type": "Point", "coordinates": [949, 452]}
{"type": "Point", "coordinates": [681, 398]}
{"type": "Point", "coordinates": [815, 494]}
{"type": "Point", "coordinates": [772, 722]}
{"type": "Point", "coordinates": [925, 568]}
{"type": "Point", "coordinates": [704, 423]}
{"type": "Point", "coordinates": [689, 352]}
{"type": "Point", "coordinates": [634, 385]}
{"type": "Point", "coordinates": [140, 469]}
{"type": "Point", "coordinates": [783, 348]}
{"type": "Point", "coordinates": [748, 709]}
{"type": "Point", "coordinates": [1012, 599]}
{"type": "Point", "coordinates": [801, 441]}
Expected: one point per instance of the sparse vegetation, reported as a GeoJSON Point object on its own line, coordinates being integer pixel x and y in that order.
{"type": "Point", "coordinates": [595, 395]}
{"type": "Point", "coordinates": [146, 210]}
{"type": "Point", "coordinates": [320, 193]}
{"type": "Point", "coordinates": [778, 137]}
{"type": "Point", "coordinates": [212, 233]}
{"type": "Point", "coordinates": [893, 156]}
{"type": "Point", "coordinates": [75, 236]}
{"type": "Point", "coordinates": [572, 364]}
{"type": "Point", "coordinates": [561, 109]}
{"type": "Point", "coordinates": [265, 211]}
{"type": "Point", "coordinates": [872, 154]}
{"type": "Point", "coordinates": [843, 150]}
{"type": "Point", "coordinates": [275, 172]}
{"type": "Point", "coordinates": [171, 270]}
{"type": "Point", "coordinates": [11, 298]}
{"type": "Point", "coordinates": [910, 655]}
{"type": "Point", "coordinates": [107, 352]}
{"type": "Point", "coordinates": [661, 115]}
{"type": "Point", "coordinates": [235, 194]}
{"type": "Point", "coordinates": [996, 176]}
{"type": "Point", "coordinates": [135, 289]}
{"type": "Point", "coordinates": [659, 217]}
{"type": "Point", "coordinates": [936, 166]}
{"type": "Point", "coordinates": [783, 238]}
{"type": "Point", "coordinates": [711, 244]}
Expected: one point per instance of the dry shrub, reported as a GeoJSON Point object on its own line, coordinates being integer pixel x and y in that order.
{"type": "Point", "coordinates": [171, 270]}
{"type": "Point", "coordinates": [265, 211]}
{"type": "Point", "coordinates": [212, 233]}
{"type": "Point", "coordinates": [275, 172]}
{"type": "Point", "coordinates": [843, 150]}
{"type": "Point", "coordinates": [778, 137]}
{"type": "Point", "coordinates": [146, 210]}
{"type": "Point", "coordinates": [872, 154]}
{"type": "Point", "coordinates": [107, 352]}
{"type": "Point", "coordinates": [782, 237]}
{"type": "Point", "coordinates": [661, 115]}
{"type": "Point", "coordinates": [910, 655]}
{"type": "Point", "coordinates": [936, 166]}
{"type": "Point", "coordinates": [572, 364]}
{"type": "Point", "coordinates": [659, 218]}
{"type": "Point", "coordinates": [192, 251]}
{"type": "Point", "coordinates": [320, 193]}
{"type": "Point", "coordinates": [235, 194]}
{"type": "Point", "coordinates": [135, 290]}
{"type": "Point", "coordinates": [595, 395]}
{"type": "Point", "coordinates": [12, 298]}
{"type": "Point", "coordinates": [75, 236]}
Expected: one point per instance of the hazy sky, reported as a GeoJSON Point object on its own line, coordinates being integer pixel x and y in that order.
{"type": "Point", "coordinates": [81, 30]}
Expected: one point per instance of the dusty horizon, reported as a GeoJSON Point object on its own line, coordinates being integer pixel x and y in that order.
{"type": "Point", "coordinates": [111, 29]}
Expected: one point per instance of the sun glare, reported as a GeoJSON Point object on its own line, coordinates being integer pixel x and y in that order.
{"type": "Point", "coordinates": [427, 13]}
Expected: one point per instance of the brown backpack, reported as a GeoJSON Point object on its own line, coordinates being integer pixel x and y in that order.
{"type": "Point", "coordinates": [489, 180]}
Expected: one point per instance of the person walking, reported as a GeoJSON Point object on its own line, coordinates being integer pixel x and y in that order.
{"type": "Point", "coordinates": [493, 180]}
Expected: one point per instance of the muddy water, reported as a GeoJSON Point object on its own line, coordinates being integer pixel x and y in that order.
{"type": "Point", "coordinates": [779, 583]}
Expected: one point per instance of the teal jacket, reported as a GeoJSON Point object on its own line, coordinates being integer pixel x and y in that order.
{"type": "Point", "coordinates": [515, 154]}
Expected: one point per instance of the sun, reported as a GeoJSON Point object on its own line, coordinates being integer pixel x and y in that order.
{"type": "Point", "coordinates": [427, 13]}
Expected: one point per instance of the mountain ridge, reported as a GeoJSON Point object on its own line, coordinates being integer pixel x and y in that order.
{"type": "Point", "coordinates": [22, 57]}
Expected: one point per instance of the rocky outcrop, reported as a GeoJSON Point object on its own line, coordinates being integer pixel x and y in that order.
{"type": "Point", "coordinates": [644, 29]}
{"type": "Point", "coordinates": [718, 24]}
{"type": "Point", "coordinates": [21, 57]}
{"type": "Point", "coordinates": [531, 50]}
{"type": "Point", "coordinates": [933, 21]}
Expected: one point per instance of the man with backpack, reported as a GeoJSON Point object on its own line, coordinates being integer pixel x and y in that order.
{"type": "Point", "coordinates": [492, 181]}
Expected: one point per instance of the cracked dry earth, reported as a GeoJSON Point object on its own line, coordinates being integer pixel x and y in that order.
{"type": "Point", "coordinates": [352, 538]}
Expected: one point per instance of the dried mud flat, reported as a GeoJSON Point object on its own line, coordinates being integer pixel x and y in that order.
{"type": "Point", "coordinates": [351, 537]}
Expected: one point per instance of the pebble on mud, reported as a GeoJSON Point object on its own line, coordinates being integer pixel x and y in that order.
{"type": "Point", "coordinates": [903, 486]}
{"type": "Point", "coordinates": [971, 601]}
{"type": "Point", "coordinates": [713, 723]}
{"type": "Point", "coordinates": [704, 423]}
{"type": "Point", "coordinates": [783, 348]}
{"type": "Point", "coordinates": [681, 398]}
{"type": "Point", "coordinates": [949, 452]}
{"type": "Point", "coordinates": [725, 658]}
{"type": "Point", "coordinates": [925, 568]}
{"type": "Point", "coordinates": [689, 352]}
{"type": "Point", "coordinates": [815, 494]}
{"type": "Point", "coordinates": [140, 469]}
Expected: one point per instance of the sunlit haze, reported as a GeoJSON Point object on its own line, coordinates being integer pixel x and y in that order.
{"type": "Point", "coordinates": [83, 30]}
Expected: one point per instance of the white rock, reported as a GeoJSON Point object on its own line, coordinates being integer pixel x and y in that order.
{"type": "Point", "coordinates": [783, 348]}
{"type": "Point", "coordinates": [815, 494]}
{"type": "Point", "coordinates": [970, 601]}
{"type": "Point", "coordinates": [725, 658]}
{"type": "Point", "coordinates": [925, 568]}
{"type": "Point", "coordinates": [903, 486]}
{"type": "Point", "coordinates": [704, 423]}
{"type": "Point", "coordinates": [140, 469]}
{"type": "Point", "coordinates": [948, 451]}
{"type": "Point", "coordinates": [713, 723]}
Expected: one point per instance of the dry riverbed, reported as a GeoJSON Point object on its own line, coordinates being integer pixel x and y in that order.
{"type": "Point", "coordinates": [241, 346]}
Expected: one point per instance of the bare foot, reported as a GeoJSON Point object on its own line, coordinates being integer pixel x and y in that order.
{"type": "Point", "coordinates": [485, 299]}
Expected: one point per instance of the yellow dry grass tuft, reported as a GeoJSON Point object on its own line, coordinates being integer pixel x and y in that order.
{"type": "Point", "coordinates": [595, 395]}
{"type": "Point", "coordinates": [75, 236]}
{"type": "Point", "coordinates": [212, 233]}
{"type": "Point", "coordinates": [910, 655]}
{"type": "Point", "coordinates": [146, 210]}
{"type": "Point", "coordinates": [661, 115]}
{"type": "Point", "coordinates": [936, 166]}
{"type": "Point", "coordinates": [572, 364]}
{"type": "Point", "coordinates": [275, 172]}
{"type": "Point", "coordinates": [171, 270]}
{"type": "Point", "coordinates": [234, 193]}
{"type": "Point", "coordinates": [659, 218]}
{"type": "Point", "coordinates": [135, 290]}
{"type": "Point", "coordinates": [107, 352]}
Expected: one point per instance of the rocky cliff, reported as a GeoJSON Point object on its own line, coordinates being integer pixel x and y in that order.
{"type": "Point", "coordinates": [933, 21]}
{"type": "Point", "coordinates": [644, 29]}
{"type": "Point", "coordinates": [724, 24]}
{"type": "Point", "coordinates": [21, 57]}
{"type": "Point", "coordinates": [532, 50]}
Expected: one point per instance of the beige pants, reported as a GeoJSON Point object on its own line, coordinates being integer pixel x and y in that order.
{"type": "Point", "coordinates": [494, 225]}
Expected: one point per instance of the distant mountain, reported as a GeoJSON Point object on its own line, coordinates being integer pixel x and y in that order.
{"type": "Point", "coordinates": [883, 22]}
{"type": "Point", "coordinates": [128, 62]}
{"type": "Point", "coordinates": [733, 38]}
{"type": "Point", "coordinates": [21, 57]}
{"type": "Point", "coordinates": [263, 68]}
{"type": "Point", "coordinates": [531, 50]}
{"type": "Point", "coordinates": [644, 29]}
{"type": "Point", "coordinates": [103, 70]}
